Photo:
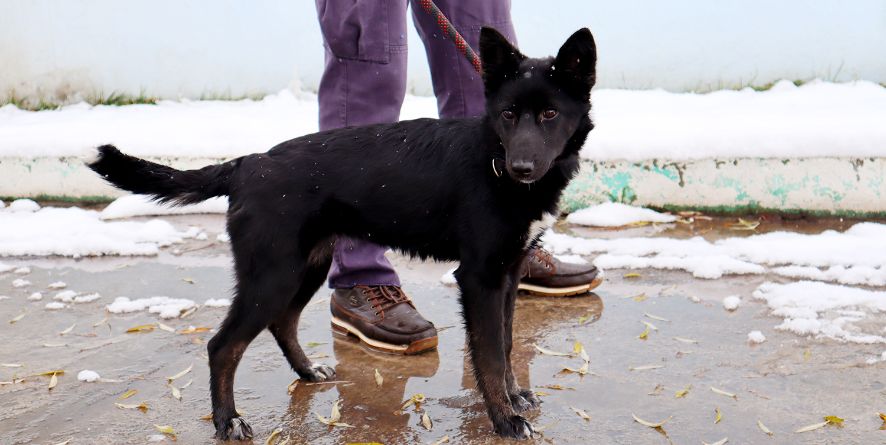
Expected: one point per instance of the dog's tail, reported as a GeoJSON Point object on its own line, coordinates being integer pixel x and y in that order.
{"type": "Point", "coordinates": [164, 184]}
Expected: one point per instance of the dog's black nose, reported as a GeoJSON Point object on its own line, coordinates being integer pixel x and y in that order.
{"type": "Point", "coordinates": [523, 168]}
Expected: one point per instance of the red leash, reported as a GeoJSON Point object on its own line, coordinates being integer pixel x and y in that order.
{"type": "Point", "coordinates": [446, 26]}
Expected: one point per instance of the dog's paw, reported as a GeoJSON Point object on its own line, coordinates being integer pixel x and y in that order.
{"type": "Point", "coordinates": [319, 372]}
{"type": "Point", "coordinates": [524, 400]}
{"type": "Point", "coordinates": [515, 427]}
{"type": "Point", "coordinates": [233, 429]}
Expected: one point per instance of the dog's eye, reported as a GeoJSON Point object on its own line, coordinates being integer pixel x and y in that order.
{"type": "Point", "coordinates": [550, 113]}
{"type": "Point", "coordinates": [507, 114]}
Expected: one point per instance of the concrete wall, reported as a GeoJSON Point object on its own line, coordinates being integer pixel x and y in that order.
{"type": "Point", "coordinates": [836, 186]}
{"type": "Point", "coordinates": [56, 49]}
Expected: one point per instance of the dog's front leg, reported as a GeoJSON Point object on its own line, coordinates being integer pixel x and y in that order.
{"type": "Point", "coordinates": [484, 296]}
{"type": "Point", "coordinates": [521, 399]}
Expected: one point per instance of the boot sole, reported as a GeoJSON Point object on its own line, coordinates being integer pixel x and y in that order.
{"type": "Point", "coordinates": [544, 291]}
{"type": "Point", "coordinates": [344, 328]}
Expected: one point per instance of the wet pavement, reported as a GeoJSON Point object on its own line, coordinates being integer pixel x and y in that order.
{"type": "Point", "coordinates": [787, 382]}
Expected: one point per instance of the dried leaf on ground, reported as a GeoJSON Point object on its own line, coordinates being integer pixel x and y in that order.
{"type": "Point", "coordinates": [442, 440]}
{"type": "Point", "coordinates": [416, 399]}
{"type": "Point", "coordinates": [584, 370]}
{"type": "Point", "coordinates": [292, 386]}
{"type": "Point", "coordinates": [581, 413]}
{"type": "Point", "coordinates": [53, 381]}
{"type": "Point", "coordinates": [645, 367]}
{"type": "Point", "coordinates": [724, 393]}
{"type": "Point", "coordinates": [165, 327]}
{"type": "Point", "coordinates": [719, 442]}
{"type": "Point", "coordinates": [11, 365]}
{"type": "Point", "coordinates": [683, 392]}
{"type": "Point", "coordinates": [648, 423]}
{"type": "Point", "coordinates": [167, 430]}
{"type": "Point", "coordinates": [579, 349]}
{"type": "Point", "coordinates": [188, 280]}
{"type": "Point", "coordinates": [639, 298]}
{"type": "Point", "coordinates": [65, 442]}
{"type": "Point", "coordinates": [143, 407]}
{"type": "Point", "coordinates": [17, 318]}
{"type": "Point", "coordinates": [141, 328]}
{"type": "Point", "coordinates": [744, 224]}
{"type": "Point", "coordinates": [195, 330]}
{"type": "Point", "coordinates": [68, 330]}
{"type": "Point", "coordinates": [127, 394]}
{"type": "Point", "coordinates": [655, 317]}
{"type": "Point", "coordinates": [834, 420]}
{"type": "Point", "coordinates": [379, 380]}
{"type": "Point", "coordinates": [180, 374]}
{"type": "Point", "coordinates": [550, 352]}
{"type": "Point", "coordinates": [657, 390]}
{"type": "Point", "coordinates": [314, 344]}
{"type": "Point", "coordinates": [763, 428]}
{"type": "Point", "coordinates": [100, 322]}
{"type": "Point", "coordinates": [883, 418]}
{"type": "Point", "coordinates": [686, 340]}
{"type": "Point", "coordinates": [558, 387]}
{"type": "Point", "coordinates": [812, 427]}
{"type": "Point", "coordinates": [645, 334]}
{"type": "Point", "coordinates": [175, 392]}
{"type": "Point", "coordinates": [272, 439]}
{"type": "Point", "coordinates": [631, 275]}
{"type": "Point", "coordinates": [334, 417]}
{"type": "Point", "coordinates": [649, 325]}
{"type": "Point", "coordinates": [426, 421]}
{"type": "Point", "coordinates": [719, 415]}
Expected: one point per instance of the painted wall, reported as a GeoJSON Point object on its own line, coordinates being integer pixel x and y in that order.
{"type": "Point", "coordinates": [204, 48]}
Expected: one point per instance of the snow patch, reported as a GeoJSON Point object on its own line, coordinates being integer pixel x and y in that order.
{"type": "Point", "coordinates": [88, 376]}
{"type": "Point", "coordinates": [88, 298]}
{"type": "Point", "coordinates": [65, 296]}
{"type": "Point", "coordinates": [816, 119]}
{"type": "Point", "coordinates": [58, 285]}
{"type": "Point", "coordinates": [826, 310]}
{"type": "Point", "coordinates": [571, 259]}
{"type": "Point", "coordinates": [856, 256]}
{"type": "Point", "coordinates": [77, 232]}
{"type": "Point", "coordinates": [20, 282]}
{"type": "Point", "coordinates": [756, 337]}
{"type": "Point", "coordinates": [613, 214]}
{"type": "Point", "coordinates": [448, 278]}
{"type": "Point", "coordinates": [36, 296]}
{"type": "Point", "coordinates": [5, 268]}
{"type": "Point", "coordinates": [731, 302]}
{"type": "Point", "coordinates": [165, 307]}
{"type": "Point", "coordinates": [22, 270]}
{"type": "Point", "coordinates": [223, 237]}
{"type": "Point", "coordinates": [23, 205]}
{"type": "Point", "coordinates": [217, 302]}
{"type": "Point", "coordinates": [55, 305]}
{"type": "Point", "coordinates": [141, 205]}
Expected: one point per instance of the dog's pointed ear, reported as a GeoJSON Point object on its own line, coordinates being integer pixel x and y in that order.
{"type": "Point", "coordinates": [499, 58]}
{"type": "Point", "coordinates": [576, 61]}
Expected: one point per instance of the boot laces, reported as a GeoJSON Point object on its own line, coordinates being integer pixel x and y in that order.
{"type": "Point", "coordinates": [385, 297]}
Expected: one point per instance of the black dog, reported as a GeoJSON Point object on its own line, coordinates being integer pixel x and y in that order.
{"type": "Point", "coordinates": [474, 190]}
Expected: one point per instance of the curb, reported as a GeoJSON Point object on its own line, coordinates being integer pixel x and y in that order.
{"type": "Point", "coordinates": [827, 186]}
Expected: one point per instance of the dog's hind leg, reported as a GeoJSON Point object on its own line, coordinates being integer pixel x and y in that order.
{"type": "Point", "coordinates": [267, 279]}
{"type": "Point", "coordinates": [483, 297]}
{"type": "Point", "coordinates": [285, 327]}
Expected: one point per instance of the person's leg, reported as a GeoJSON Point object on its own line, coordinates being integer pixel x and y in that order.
{"type": "Point", "coordinates": [459, 91]}
{"type": "Point", "coordinates": [457, 85]}
{"type": "Point", "coordinates": [364, 82]}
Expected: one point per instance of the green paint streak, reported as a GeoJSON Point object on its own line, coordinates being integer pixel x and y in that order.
{"type": "Point", "coordinates": [727, 182]}
{"type": "Point", "coordinates": [780, 189]}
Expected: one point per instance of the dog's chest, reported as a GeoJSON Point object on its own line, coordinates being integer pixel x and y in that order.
{"type": "Point", "coordinates": [539, 226]}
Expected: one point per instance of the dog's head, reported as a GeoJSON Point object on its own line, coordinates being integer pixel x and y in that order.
{"type": "Point", "coordinates": [537, 105]}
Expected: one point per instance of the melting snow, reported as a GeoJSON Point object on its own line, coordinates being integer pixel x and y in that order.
{"type": "Point", "coordinates": [165, 307]}
{"type": "Point", "coordinates": [731, 303]}
{"type": "Point", "coordinates": [756, 337]}
{"type": "Point", "coordinates": [217, 302]}
{"type": "Point", "coordinates": [20, 282]}
{"type": "Point", "coordinates": [88, 376]}
{"type": "Point", "coordinates": [141, 205]}
{"type": "Point", "coordinates": [76, 232]}
{"type": "Point", "coordinates": [613, 214]}
{"type": "Point", "coordinates": [23, 205]}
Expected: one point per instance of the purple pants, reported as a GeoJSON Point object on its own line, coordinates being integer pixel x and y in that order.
{"type": "Point", "coordinates": [364, 82]}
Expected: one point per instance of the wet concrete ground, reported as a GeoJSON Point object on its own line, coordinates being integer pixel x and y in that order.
{"type": "Point", "coordinates": [787, 382]}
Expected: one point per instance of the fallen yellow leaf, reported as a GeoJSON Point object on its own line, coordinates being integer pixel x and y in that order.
{"type": "Point", "coordinates": [581, 413]}
{"type": "Point", "coordinates": [141, 328]}
{"type": "Point", "coordinates": [166, 429]}
{"type": "Point", "coordinates": [272, 439]}
{"type": "Point", "coordinates": [127, 394]}
{"type": "Point", "coordinates": [683, 392]}
{"type": "Point", "coordinates": [550, 352]}
{"type": "Point", "coordinates": [143, 407]}
{"type": "Point", "coordinates": [180, 374]}
{"type": "Point", "coordinates": [723, 393]}
{"type": "Point", "coordinates": [648, 423]}
{"type": "Point", "coordinates": [812, 427]}
{"type": "Point", "coordinates": [631, 275]}
{"type": "Point", "coordinates": [764, 429]}
{"type": "Point", "coordinates": [426, 421]}
{"type": "Point", "coordinates": [645, 334]}
{"type": "Point", "coordinates": [719, 415]}
{"type": "Point", "coordinates": [639, 298]}
{"type": "Point", "coordinates": [834, 420]}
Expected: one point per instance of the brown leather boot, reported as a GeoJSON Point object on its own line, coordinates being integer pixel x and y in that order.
{"type": "Point", "coordinates": [547, 276]}
{"type": "Point", "coordinates": [383, 318]}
